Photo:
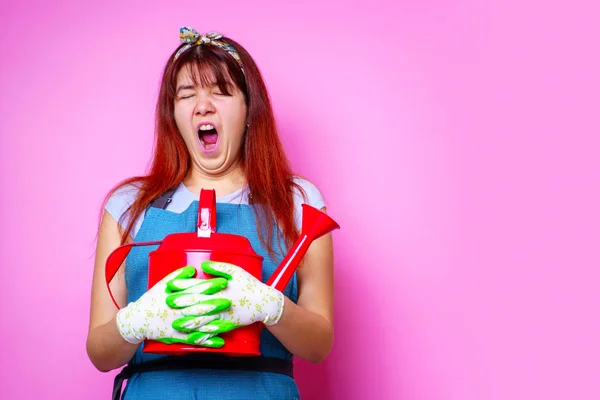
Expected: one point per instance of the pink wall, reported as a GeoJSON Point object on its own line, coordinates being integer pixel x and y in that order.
{"type": "Point", "coordinates": [454, 142]}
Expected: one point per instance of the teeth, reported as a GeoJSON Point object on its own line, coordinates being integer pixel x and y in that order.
{"type": "Point", "coordinates": [206, 127]}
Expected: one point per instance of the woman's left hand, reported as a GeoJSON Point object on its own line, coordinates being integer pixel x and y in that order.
{"type": "Point", "coordinates": [251, 300]}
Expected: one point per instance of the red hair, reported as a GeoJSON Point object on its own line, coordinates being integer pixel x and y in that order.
{"type": "Point", "coordinates": [265, 165]}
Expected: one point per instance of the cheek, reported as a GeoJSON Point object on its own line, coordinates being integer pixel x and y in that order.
{"type": "Point", "coordinates": [239, 122]}
{"type": "Point", "coordinates": [240, 117]}
{"type": "Point", "coordinates": [181, 120]}
{"type": "Point", "coordinates": [235, 115]}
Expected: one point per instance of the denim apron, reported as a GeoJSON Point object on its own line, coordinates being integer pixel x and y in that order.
{"type": "Point", "coordinates": [205, 383]}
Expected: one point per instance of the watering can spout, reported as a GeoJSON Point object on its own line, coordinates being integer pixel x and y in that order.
{"type": "Point", "coordinates": [315, 223]}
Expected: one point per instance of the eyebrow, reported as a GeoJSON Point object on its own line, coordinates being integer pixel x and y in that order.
{"type": "Point", "coordinates": [184, 87]}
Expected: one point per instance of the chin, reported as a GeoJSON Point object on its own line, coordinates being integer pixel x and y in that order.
{"type": "Point", "coordinates": [213, 165]}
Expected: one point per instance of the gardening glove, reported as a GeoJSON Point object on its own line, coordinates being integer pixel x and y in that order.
{"type": "Point", "coordinates": [250, 300]}
{"type": "Point", "coordinates": [153, 317]}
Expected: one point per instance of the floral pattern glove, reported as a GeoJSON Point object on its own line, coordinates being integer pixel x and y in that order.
{"type": "Point", "coordinates": [250, 300]}
{"type": "Point", "coordinates": [153, 317]}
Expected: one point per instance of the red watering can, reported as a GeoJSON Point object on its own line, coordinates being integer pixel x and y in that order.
{"type": "Point", "coordinates": [192, 248]}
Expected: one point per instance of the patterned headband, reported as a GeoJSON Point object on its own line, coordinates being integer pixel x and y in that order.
{"type": "Point", "coordinates": [191, 37]}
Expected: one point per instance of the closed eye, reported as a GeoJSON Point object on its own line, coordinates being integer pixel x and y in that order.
{"type": "Point", "coordinates": [186, 96]}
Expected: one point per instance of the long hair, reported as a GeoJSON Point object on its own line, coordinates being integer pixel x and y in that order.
{"type": "Point", "coordinates": [265, 165]}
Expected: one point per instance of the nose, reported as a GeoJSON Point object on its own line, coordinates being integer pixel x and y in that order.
{"type": "Point", "coordinates": [204, 106]}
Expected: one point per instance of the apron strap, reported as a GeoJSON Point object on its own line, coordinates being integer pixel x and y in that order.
{"type": "Point", "coordinates": [163, 200]}
{"type": "Point", "coordinates": [204, 361]}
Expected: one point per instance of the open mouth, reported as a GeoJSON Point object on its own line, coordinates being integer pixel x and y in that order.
{"type": "Point", "coordinates": [208, 135]}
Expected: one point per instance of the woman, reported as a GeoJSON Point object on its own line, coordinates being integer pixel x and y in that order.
{"type": "Point", "coordinates": [215, 130]}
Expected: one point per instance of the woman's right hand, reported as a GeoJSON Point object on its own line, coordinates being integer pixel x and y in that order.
{"type": "Point", "coordinates": [150, 317]}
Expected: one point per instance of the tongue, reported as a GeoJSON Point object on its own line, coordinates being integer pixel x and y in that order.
{"type": "Point", "coordinates": [210, 138]}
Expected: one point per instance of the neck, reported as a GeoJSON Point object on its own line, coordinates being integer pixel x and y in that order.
{"type": "Point", "coordinates": [223, 183]}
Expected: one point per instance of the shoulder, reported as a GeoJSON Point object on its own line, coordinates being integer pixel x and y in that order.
{"type": "Point", "coordinates": [306, 192]}
{"type": "Point", "coordinates": [120, 200]}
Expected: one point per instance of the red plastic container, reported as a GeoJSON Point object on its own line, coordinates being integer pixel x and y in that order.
{"type": "Point", "coordinates": [191, 248]}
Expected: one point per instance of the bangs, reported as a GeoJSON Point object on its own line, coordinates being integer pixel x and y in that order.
{"type": "Point", "coordinates": [206, 69]}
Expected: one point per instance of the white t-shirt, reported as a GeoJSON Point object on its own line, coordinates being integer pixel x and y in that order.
{"type": "Point", "coordinates": [122, 199]}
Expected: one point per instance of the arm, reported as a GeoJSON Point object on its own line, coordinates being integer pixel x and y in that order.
{"type": "Point", "coordinates": [306, 328]}
{"type": "Point", "coordinates": [105, 346]}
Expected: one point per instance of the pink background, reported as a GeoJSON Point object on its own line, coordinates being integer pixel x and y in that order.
{"type": "Point", "coordinates": [453, 141]}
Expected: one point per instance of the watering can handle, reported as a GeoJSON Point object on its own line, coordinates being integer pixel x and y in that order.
{"type": "Point", "coordinates": [207, 213]}
{"type": "Point", "coordinates": [116, 258]}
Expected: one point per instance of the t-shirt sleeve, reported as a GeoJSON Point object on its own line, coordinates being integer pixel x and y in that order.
{"type": "Point", "coordinates": [119, 202]}
{"type": "Point", "coordinates": [313, 198]}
